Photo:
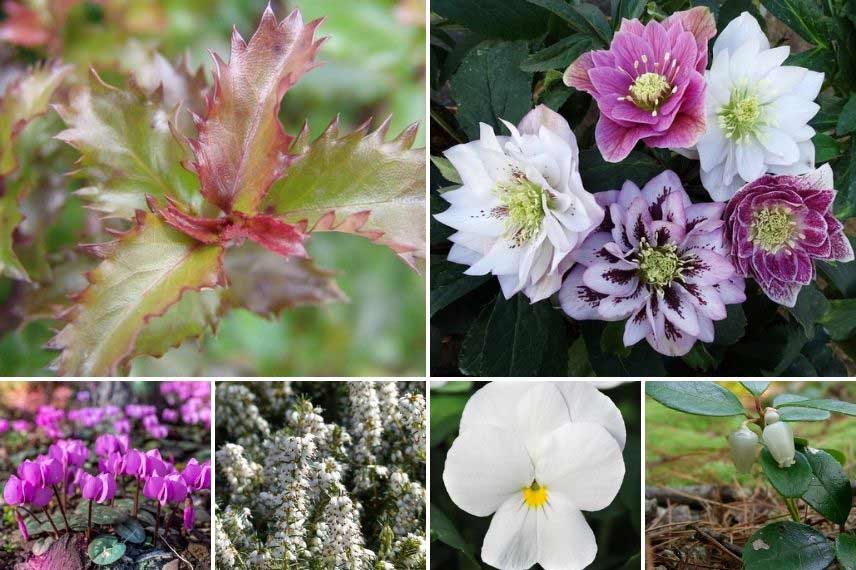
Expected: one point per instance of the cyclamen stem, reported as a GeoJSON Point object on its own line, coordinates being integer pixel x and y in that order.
{"type": "Point", "coordinates": [61, 504]}
{"type": "Point", "coordinates": [55, 529]}
{"type": "Point", "coordinates": [31, 513]}
{"type": "Point", "coordinates": [157, 523]}
{"type": "Point", "coordinates": [89, 523]}
{"type": "Point", "coordinates": [137, 496]}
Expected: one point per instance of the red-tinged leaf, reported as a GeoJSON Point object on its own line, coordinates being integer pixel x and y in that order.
{"type": "Point", "coordinates": [262, 282]}
{"type": "Point", "coordinates": [23, 26]}
{"type": "Point", "coordinates": [242, 148]}
{"type": "Point", "coordinates": [360, 184]}
{"type": "Point", "coordinates": [197, 313]}
{"type": "Point", "coordinates": [269, 232]}
{"type": "Point", "coordinates": [206, 230]}
{"type": "Point", "coordinates": [145, 273]}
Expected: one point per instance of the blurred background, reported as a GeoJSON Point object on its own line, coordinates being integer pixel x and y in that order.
{"type": "Point", "coordinates": [456, 536]}
{"type": "Point", "coordinates": [374, 66]}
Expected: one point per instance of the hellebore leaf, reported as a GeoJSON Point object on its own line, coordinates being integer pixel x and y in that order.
{"type": "Point", "coordinates": [242, 148]}
{"type": "Point", "coordinates": [357, 183]}
{"type": "Point", "coordinates": [126, 144]}
{"type": "Point", "coordinates": [105, 550]}
{"type": "Point", "coordinates": [787, 545]}
{"type": "Point", "coordinates": [144, 273]}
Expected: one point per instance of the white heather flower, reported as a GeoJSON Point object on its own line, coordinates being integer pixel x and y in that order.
{"type": "Point", "coordinates": [535, 455]}
{"type": "Point", "coordinates": [240, 473]}
{"type": "Point", "coordinates": [757, 111]}
{"type": "Point", "coordinates": [522, 207]}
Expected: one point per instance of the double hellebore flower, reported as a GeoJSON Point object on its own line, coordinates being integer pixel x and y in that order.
{"type": "Point", "coordinates": [744, 448]}
{"type": "Point", "coordinates": [649, 84]}
{"type": "Point", "coordinates": [659, 260]}
{"type": "Point", "coordinates": [535, 455]}
{"type": "Point", "coordinates": [757, 111]}
{"type": "Point", "coordinates": [779, 438]}
{"type": "Point", "coordinates": [778, 224]}
{"type": "Point", "coordinates": [522, 207]}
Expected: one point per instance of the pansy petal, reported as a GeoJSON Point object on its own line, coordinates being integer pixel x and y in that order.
{"type": "Point", "coordinates": [565, 539]}
{"type": "Point", "coordinates": [585, 403]}
{"type": "Point", "coordinates": [511, 541]}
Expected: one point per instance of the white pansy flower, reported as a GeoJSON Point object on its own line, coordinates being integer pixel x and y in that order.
{"type": "Point", "coordinates": [535, 455]}
{"type": "Point", "coordinates": [522, 207]}
{"type": "Point", "coordinates": [757, 111]}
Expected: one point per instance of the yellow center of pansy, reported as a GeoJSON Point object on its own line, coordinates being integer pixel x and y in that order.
{"type": "Point", "coordinates": [535, 495]}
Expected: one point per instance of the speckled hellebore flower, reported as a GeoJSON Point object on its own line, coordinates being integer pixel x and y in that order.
{"type": "Point", "coordinates": [535, 455]}
{"type": "Point", "coordinates": [744, 448]}
{"type": "Point", "coordinates": [649, 84]}
{"type": "Point", "coordinates": [779, 438]}
{"type": "Point", "coordinates": [757, 111]}
{"type": "Point", "coordinates": [659, 260]}
{"type": "Point", "coordinates": [777, 226]}
{"type": "Point", "coordinates": [522, 207]}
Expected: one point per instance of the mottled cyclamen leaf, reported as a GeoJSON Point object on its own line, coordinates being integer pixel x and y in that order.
{"type": "Point", "coordinates": [357, 183]}
{"type": "Point", "coordinates": [262, 282]}
{"type": "Point", "coordinates": [242, 147]}
{"type": "Point", "coordinates": [144, 273]}
{"type": "Point", "coordinates": [127, 146]}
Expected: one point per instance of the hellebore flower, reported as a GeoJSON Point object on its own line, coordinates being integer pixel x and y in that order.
{"type": "Point", "coordinates": [649, 84]}
{"type": "Point", "coordinates": [189, 514]}
{"type": "Point", "coordinates": [101, 488]}
{"type": "Point", "coordinates": [522, 207]}
{"type": "Point", "coordinates": [535, 455]}
{"type": "Point", "coordinates": [779, 439]}
{"type": "Point", "coordinates": [197, 475]}
{"type": "Point", "coordinates": [757, 111]}
{"type": "Point", "coordinates": [744, 448]}
{"type": "Point", "coordinates": [659, 260]}
{"type": "Point", "coordinates": [778, 224]}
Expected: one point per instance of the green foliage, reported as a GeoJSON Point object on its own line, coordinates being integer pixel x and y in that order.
{"type": "Point", "coordinates": [703, 398]}
{"type": "Point", "coordinates": [787, 545]}
{"type": "Point", "coordinates": [105, 550]}
{"type": "Point", "coordinates": [790, 481]}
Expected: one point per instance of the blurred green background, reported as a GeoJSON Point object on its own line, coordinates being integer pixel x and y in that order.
{"type": "Point", "coordinates": [456, 536]}
{"type": "Point", "coordinates": [374, 66]}
{"type": "Point", "coordinates": [684, 449]}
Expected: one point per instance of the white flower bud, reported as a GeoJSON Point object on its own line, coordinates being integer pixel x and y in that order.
{"type": "Point", "coordinates": [780, 442]}
{"type": "Point", "coordinates": [771, 416]}
{"type": "Point", "coordinates": [744, 448]}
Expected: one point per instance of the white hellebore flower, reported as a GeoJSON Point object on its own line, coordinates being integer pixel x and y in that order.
{"type": "Point", "coordinates": [757, 111]}
{"type": "Point", "coordinates": [535, 455]}
{"type": "Point", "coordinates": [522, 207]}
{"type": "Point", "coordinates": [744, 448]}
{"type": "Point", "coordinates": [779, 438]}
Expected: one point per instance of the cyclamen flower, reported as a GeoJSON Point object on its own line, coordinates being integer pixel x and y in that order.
{"type": "Point", "coordinates": [69, 452]}
{"type": "Point", "coordinates": [778, 224]}
{"type": "Point", "coordinates": [659, 260]}
{"type": "Point", "coordinates": [536, 454]}
{"type": "Point", "coordinates": [522, 207]}
{"type": "Point", "coordinates": [757, 111]}
{"type": "Point", "coordinates": [197, 475]}
{"type": "Point", "coordinates": [648, 85]}
{"type": "Point", "coordinates": [107, 444]}
{"type": "Point", "coordinates": [21, 491]}
{"type": "Point", "coordinates": [168, 489]}
{"type": "Point", "coordinates": [101, 488]}
{"type": "Point", "coordinates": [189, 514]}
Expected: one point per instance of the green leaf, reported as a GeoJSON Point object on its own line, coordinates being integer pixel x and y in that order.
{"type": "Point", "coordinates": [789, 481]}
{"type": "Point", "coordinates": [702, 398]}
{"type": "Point", "coordinates": [599, 175]}
{"type": "Point", "coordinates": [131, 530]}
{"type": "Point", "coordinates": [446, 169]}
{"type": "Point", "coordinates": [830, 109]}
{"type": "Point", "coordinates": [830, 405]}
{"type": "Point", "coordinates": [787, 545]}
{"type": "Point", "coordinates": [578, 362]}
{"type": "Point", "coordinates": [584, 18]}
{"type": "Point", "coordinates": [626, 9]}
{"type": "Point", "coordinates": [699, 358]}
{"type": "Point", "coordinates": [127, 149]}
{"type": "Point", "coordinates": [794, 413]}
{"type": "Point", "coordinates": [559, 55]}
{"type": "Point", "coordinates": [810, 305]}
{"type": "Point", "coordinates": [357, 183]}
{"type": "Point", "coordinates": [844, 170]}
{"type": "Point", "coordinates": [840, 318]}
{"type": "Point", "coordinates": [829, 492]}
{"type": "Point", "coordinates": [489, 85]}
{"type": "Point", "coordinates": [826, 148]}
{"type": "Point", "coordinates": [196, 313]}
{"type": "Point", "coordinates": [515, 338]}
{"type": "Point", "coordinates": [502, 19]}
{"type": "Point", "coordinates": [732, 328]}
{"type": "Point", "coordinates": [448, 283]}
{"type": "Point", "coordinates": [805, 18]}
{"type": "Point", "coordinates": [845, 551]}
{"type": "Point", "coordinates": [143, 274]}
{"type": "Point", "coordinates": [818, 59]}
{"type": "Point", "coordinates": [847, 120]}
{"type": "Point", "coordinates": [837, 455]}
{"type": "Point", "coordinates": [755, 388]}
{"type": "Point", "coordinates": [444, 530]}
{"type": "Point", "coordinates": [446, 410]}
{"type": "Point", "coordinates": [105, 550]}
{"type": "Point", "coordinates": [641, 361]}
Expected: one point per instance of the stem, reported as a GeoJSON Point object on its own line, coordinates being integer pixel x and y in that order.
{"type": "Point", "coordinates": [31, 513]}
{"type": "Point", "coordinates": [137, 496]}
{"type": "Point", "coordinates": [792, 508]}
{"type": "Point", "coordinates": [61, 509]}
{"type": "Point", "coordinates": [157, 522]}
{"type": "Point", "coordinates": [55, 529]}
{"type": "Point", "coordinates": [89, 524]}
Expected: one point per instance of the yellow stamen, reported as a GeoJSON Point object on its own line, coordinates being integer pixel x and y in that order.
{"type": "Point", "coordinates": [535, 496]}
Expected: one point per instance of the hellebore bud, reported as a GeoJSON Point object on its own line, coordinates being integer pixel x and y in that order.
{"type": "Point", "coordinates": [744, 448]}
{"type": "Point", "coordinates": [779, 439]}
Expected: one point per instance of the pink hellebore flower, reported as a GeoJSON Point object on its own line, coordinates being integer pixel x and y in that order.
{"type": "Point", "coordinates": [777, 226]}
{"type": "Point", "coordinates": [649, 85]}
{"type": "Point", "coordinates": [659, 261]}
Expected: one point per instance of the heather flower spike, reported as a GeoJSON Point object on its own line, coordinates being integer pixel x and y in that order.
{"type": "Point", "coordinates": [648, 85]}
{"type": "Point", "coordinates": [522, 208]}
{"type": "Point", "coordinates": [658, 261]}
{"type": "Point", "coordinates": [777, 226]}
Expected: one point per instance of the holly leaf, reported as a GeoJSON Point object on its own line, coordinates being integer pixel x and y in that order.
{"type": "Point", "coordinates": [196, 313]}
{"type": "Point", "coordinates": [143, 273]}
{"type": "Point", "coordinates": [126, 146]}
{"type": "Point", "coordinates": [267, 284]}
{"type": "Point", "coordinates": [357, 183]}
{"type": "Point", "coordinates": [242, 148]}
